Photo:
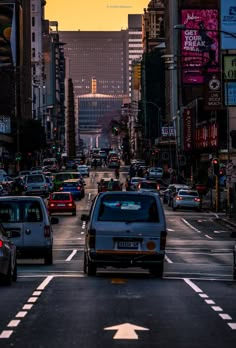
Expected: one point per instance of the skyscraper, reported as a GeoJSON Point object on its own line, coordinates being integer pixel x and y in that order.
{"type": "Point", "coordinates": [99, 54]}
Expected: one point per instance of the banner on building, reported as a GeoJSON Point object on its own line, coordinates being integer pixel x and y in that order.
{"type": "Point", "coordinates": [200, 44]}
{"type": "Point", "coordinates": [213, 92]}
{"type": "Point", "coordinates": [188, 125]}
{"type": "Point", "coordinates": [228, 24]}
{"type": "Point", "coordinates": [206, 137]}
{"type": "Point", "coordinates": [229, 80]}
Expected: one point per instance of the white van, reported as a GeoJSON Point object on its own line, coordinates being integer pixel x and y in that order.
{"type": "Point", "coordinates": [28, 218]}
{"type": "Point", "coordinates": [125, 229]}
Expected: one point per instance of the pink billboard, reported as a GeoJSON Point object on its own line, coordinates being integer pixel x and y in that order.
{"type": "Point", "coordinates": [199, 44]}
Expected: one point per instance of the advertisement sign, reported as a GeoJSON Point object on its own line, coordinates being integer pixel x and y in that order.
{"type": "Point", "coordinates": [5, 124]}
{"type": "Point", "coordinates": [188, 123]}
{"type": "Point", "coordinates": [213, 92]}
{"type": "Point", "coordinates": [207, 136]}
{"type": "Point", "coordinates": [230, 93]}
{"type": "Point", "coordinates": [168, 131]}
{"type": "Point", "coordinates": [229, 67]}
{"type": "Point", "coordinates": [7, 35]}
{"type": "Point", "coordinates": [200, 44]}
{"type": "Point", "coordinates": [228, 24]}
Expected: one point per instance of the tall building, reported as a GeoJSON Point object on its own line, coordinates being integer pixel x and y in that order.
{"type": "Point", "coordinates": [99, 54]}
{"type": "Point", "coordinates": [134, 42]}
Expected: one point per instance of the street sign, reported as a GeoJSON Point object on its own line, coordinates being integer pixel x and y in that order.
{"type": "Point", "coordinates": [229, 168]}
{"type": "Point", "coordinates": [126, 331]}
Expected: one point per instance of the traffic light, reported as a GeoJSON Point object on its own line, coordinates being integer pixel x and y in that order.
{"type": "Point", "coordinates": [216, 166]}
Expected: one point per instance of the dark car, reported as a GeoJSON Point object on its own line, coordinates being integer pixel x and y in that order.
{"type": "Point", "coordinates": [96, 162]}
{"type": "Point", "coordinates": [8, 265]}
{"type": "Point", "coordinates": [103, 185]}
{"type": "Point", "coordinates": [75, 186]}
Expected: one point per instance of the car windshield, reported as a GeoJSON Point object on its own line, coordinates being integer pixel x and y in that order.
{"type": "Point", "coordinates": [35, 178]}
{"type": "Point", "coordinates": [60, 197]}
{"type": "Point", "coordinates": [188, 193]}
{"type": "Point", "coordinates": [12, 211]}
{"type": "Point", "coordinates": [128, 209]}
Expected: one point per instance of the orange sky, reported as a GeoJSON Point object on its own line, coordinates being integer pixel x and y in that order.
{"type": "Point", "coordinates": [93, 14]}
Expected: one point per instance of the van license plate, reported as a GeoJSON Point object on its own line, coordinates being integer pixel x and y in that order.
{"type": "Point", "coordinates": [127, 245]}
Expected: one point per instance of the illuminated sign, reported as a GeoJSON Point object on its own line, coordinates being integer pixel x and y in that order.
{"type": "Point", "coordinates": [228, 24]}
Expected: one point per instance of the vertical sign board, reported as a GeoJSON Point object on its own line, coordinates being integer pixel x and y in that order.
{"type": "Point", "coordinates": [229, 80]}
{"type": "Point", "coordinates": [228, 24]}
{"type": "Point", "coordinates": [188, 123]}
{"type": "Point", "coordinates": [199, 44]}
{"type": "Point", "coordinates": [213, 92]}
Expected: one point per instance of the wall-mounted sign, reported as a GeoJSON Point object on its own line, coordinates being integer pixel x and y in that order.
{"type": "Point", "coordinates": [228, 24]}
{"type": "Point", "coordinates": [188, 123]}
{"type": "Point", "coordinates": [230, 93]}
{"type": "Point", "coordinates": [200, 44]}
{"type": "Point", "coordinates": [229, 67]}
{"type": "Point", "coordinates": [168, 131]}
{"type": "Point", "coordinates": [213, 92]}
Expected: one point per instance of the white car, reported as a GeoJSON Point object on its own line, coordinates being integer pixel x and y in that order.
{"type": "Point", "coordinates": [83, 169]}
{"type": "Point", "coordinates": [155, 173]}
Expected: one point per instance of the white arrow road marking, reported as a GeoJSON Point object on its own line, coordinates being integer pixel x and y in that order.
{"type": "Point", "coordinates": [126, 331]}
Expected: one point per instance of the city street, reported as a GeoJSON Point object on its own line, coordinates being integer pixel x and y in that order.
{"type": "Point", "coordinates": [193, 305]}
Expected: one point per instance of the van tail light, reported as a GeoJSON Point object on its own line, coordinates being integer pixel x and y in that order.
{"type": "Point", "coordinates": [47, 231]}
{"type": "Point", "coordinates": [1, 243]}
{"type": "Point", "coordinates": [163, 240]}
{"type": "Point", "coordinates": [91, 236]}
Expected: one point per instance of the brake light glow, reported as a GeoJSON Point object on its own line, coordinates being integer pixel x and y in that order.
{"type": "Point", "coordinates": [70, 205]}
{"type": "Point", "coordinates": [1, 243]}
{"type": "Point", "coordinates": [78, 188]}
{"type": "Point", "coordinates": [61, 188]}
{"type": "Point", "coordinates": [197, 199]}
{"type": "Point", "coordinates": [179, 198]}
{"type": "Point", "coordinates": [52, 204]}
{"type": "Point", "coordinates": [47, 231]}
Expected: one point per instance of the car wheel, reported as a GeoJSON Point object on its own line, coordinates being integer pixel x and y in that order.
{"type": "Point", "coordinates": [48, 258]}
{"type": "Point", "coordinates": [91, 268]}
{"type": "Point", "coordinates": [157, 270]}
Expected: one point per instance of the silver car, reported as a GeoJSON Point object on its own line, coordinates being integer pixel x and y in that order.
{"type": "Point", "coordinates": [187, 199]}
{"type": "Point", "coordinates": [8, 265]}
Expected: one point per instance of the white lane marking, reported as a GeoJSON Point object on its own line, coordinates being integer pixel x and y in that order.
{"type": "Point", "coordinates": [37, 293]}
{"type": "Point", "coordinates": [218, 309]}
{"type": "Point", "coordinates": [46, 281]}
{"type": "Point", "coordinates": [6, 334]}
{"type": "Point", "coordinates": [27, 306]}
{"type": "Point", "coordinates": [13, 323]}
{"type": "Point", "coordinates": [192, 285]}
{"type": "Point", "coordinates": [167, 259]}
{"type": "Point", "coordinates": [70, 257]}
{"type": "Point", "coordinates": [32, 299]}
{"type": "Point", "coordinates": [189, 225]}
{"type": "Point", "coordinates": [225, 316]}
{"type": "Point", "coordinates": [206, 235]}
{"type": "Point", "coordinates": [170, 230]}
{"type": "Point", "coordinates": [21, 314]}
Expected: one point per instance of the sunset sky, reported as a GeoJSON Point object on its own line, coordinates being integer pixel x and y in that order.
{"type": "Point", "coordinates": [93, 14]}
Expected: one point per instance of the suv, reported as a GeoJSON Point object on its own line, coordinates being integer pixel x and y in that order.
{"type": "Point", "coordinates": [36, 184]}
{"type": "Point", "coordinates": [125, 229]}
{"type": "Point", "coordinates": [28, 218]}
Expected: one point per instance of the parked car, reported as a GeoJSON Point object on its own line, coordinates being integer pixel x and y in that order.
{"type": "Point", "coordinates": [28, 216]}
{"type": "Point", "coordinates": [36, 185]}
{"type": "Point", "coordinates": [75, 187]}
{"type": "Point", "coordinates": [83, 169]}
{"type": "Point", "coordinates": [8, 263]}
{"type": "Point", "coordinates": [187, 199]}
{"type": "Point", "coordinates": [61, 202]}
{"type": "Point", "coordinates": [103, 185]}
{"type": "Point", "coordinates": [125, 229]}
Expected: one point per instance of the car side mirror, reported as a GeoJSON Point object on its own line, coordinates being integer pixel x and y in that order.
{"type": "Point", "coordinates": [84, 217]}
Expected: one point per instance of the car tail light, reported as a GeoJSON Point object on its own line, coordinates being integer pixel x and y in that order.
{"type": "Point", "coordinates": [51, 204]}
{"type": "Point", "coordinates": [197, 199]}
{"type": "Point", "coordinates": [70, 204]}
{"type": "Point", "coordinates": [1, 243]}
{"type": "Point", "coordinates": [158, 187]}
{"type": "Point", "coordinates": [91, 240]}
{"type": "Point", "coordinates": [78, 188]}
{"type": "Point", "coordinates": [163, 240]}
{"type": "Point", "coordinates": [179, 198]}
{"type": "Point", "coordinates": [47, 231]}
{"type": "Point", "coordinates": [61, 188]}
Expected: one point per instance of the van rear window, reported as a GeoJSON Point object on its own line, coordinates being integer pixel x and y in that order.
{"type": "Point", "coordinates": [24, 211]}
{"type": "Point", "coordinates": [129, 209]}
